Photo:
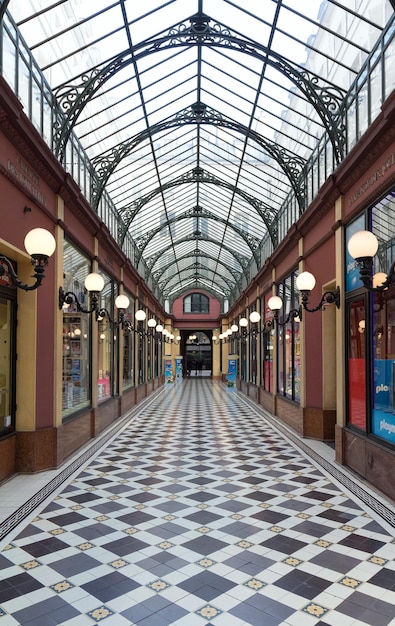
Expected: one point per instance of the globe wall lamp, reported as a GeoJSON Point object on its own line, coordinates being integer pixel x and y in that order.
{"type": "Point", "coordinates": [305, 282]}
{"type": "Point", "coordinates": [140, 317]}
{"type": "Point", "coordinates": [363, 246]}
{"type": "Point", "coordinates": [254, 319]}
{"type": "Point", "coordinates": [275, 304]}
{"type": "Point", "coordinates": [40, 244]}
{"type": "Point", "coordinates": [94, 284]}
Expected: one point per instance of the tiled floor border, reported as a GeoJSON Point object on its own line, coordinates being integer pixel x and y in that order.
{"type": "Point", "coordinates": [92, 448]}
{"type": "Point", "coordinates": [342, 476]}
{"type": "Point", "coordinates": [348, 480]}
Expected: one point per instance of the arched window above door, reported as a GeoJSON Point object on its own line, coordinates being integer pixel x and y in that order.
{"type": "Point", "coordinates": [196, 303]}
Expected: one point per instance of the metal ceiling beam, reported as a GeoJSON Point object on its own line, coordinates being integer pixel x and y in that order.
{"type": "Point", "coordinates": [194, 272]}
{"type": "Point", "coordinates": [144, 240]}
{"type": "Point", "coordinates": [237, 276]}
{"type": "Point", "coordinates": [199, 175]}
{"type": "Point", "coordinates": [3, 8]}
{"type": "Point", "coordinates": [198, 113]}
{"type": "Point", "coordinates": [151, 261]}
{"type": "Point", "coordinates": [327, 99]}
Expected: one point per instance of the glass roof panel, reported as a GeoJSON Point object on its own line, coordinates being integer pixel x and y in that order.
{"type": "Point", "coordinates": [205, 113]}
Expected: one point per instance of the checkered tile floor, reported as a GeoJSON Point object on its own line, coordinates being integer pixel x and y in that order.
{"type": "Point", "coordinates": [199, 513]}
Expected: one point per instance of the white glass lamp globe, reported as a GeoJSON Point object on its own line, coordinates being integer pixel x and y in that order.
{"type": "Point", "coordinates": [140, 315]}
{"type": "Point", "coordinates": [275, 303]}
{"type": "Point", "coordinates": [122, 302]}
{"type": "Point", "coordinates": [379, 278]}
{"type": "Point", "coordinates": [159, 328]}
{"type": "Point", "coordinates": [40, 241]}
{"type": "Point", "coordinates": [94, 282]}
{"type": "Point", "coordinates": [305, 281]}
{"type": "Point", "coordinates": [151, 323]}
{"type": "Point", "coordinates": [243, 322]}
{"type": "Point", "coordinates": [255, 317]}
{"type": "Point", "coordinates": [362, 244]}
{"type": "Point", "coordinates": [234, 328]}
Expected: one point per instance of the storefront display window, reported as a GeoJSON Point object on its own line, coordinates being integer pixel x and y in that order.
{"type": "Point", "coordinates": [371, 321]}
{"type": "Point", "coordinates": [267, 347]}
{"type": "Point", "coordinates": [357, 363]}
{"type": "Point", "coordinates": [383, 325]}
{"type": "Point", "coordinates": [107, 344]}
{"type": "Point", "coordinates": [128, 349]}
{"type": "Point", "coordinates": [289, 343]}
{"type": "Point", "coordinates": [76, 335]}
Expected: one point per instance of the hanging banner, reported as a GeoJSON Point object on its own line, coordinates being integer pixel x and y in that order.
{"type": "Point", "coordinates": [179, 367]}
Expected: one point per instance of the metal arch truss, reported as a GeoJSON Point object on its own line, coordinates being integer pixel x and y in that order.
{"type": "Point", "coordinates": [237, 276]}
{"type": "Point", "coordinates": [198, 175]}
{"type": "Point", "coordinates": [327, 99]}
{"type": "Point", "coordinates": [151, 262]}
{"type": "Point", "coordinates": [199, 113]}
{"type": "Point", "coordinates": [143, 241]}
{"type": "Point", "coordinates": [196, 276]}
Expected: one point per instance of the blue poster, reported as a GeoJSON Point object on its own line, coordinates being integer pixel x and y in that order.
{"type": "Point", "coordinates": [179, 367]}
{"type": "Point", "coordinates": [169, 378]}
{"type": "Point", "coordinates": [383, 413]}
{"type": "Point", "coordinates": [232, 370]}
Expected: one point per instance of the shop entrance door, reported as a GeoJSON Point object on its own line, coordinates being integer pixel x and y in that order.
{"type": "Point", "coordinates": [7, 362]}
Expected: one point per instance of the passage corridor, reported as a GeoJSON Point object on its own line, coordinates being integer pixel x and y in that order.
{"type": "Point", "coordinates": [198, 511]}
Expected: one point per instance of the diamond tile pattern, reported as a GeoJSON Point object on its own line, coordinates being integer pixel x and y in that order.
{"type": "Point", "coordinates": [200, 512]}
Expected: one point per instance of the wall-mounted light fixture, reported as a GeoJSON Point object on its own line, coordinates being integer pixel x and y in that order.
{"type": "Point", "coordinates": [305, 282]}
{"type": "Point", "coordinates": [275, 304]}
{"type": "Point", "coordinates": [240, 331]}
{"type": "Point", "coordinates": [363, 246]}
{"type": "Point", "coordinates": [40, 244]}
{"type": "Point", "coordinates": [94, 284]}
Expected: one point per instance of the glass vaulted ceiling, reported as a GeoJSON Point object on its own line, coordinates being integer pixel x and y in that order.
{"type": "Point", "coordinates": [199, 116]}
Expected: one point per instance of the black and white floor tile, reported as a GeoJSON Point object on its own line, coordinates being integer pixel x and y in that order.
{"type": "Point", "coordinates": [200, 513]}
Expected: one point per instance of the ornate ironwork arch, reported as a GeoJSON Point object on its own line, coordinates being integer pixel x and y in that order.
{"type": "Point", "coordinates": [199, 113]}
{"type": "Point", "coordinates": [203, 255]}
{"type": "Point", "coordinates": [198, 174]}
{"type": "Point", "coordinates": [141, 242]}
{"type": "Point", "coordinates": [196, 275]}
{"type": "Point", "coordinates": [327, 99]}
{"type": "Point", "coordinates": [242, 260]}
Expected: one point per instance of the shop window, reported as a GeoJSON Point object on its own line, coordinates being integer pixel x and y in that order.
{"type": "Point", "coordinates": [76, 367]}
{"type": "Point", "coordinates": [356, 363]}
{"type": "Point", "coordinates": [288, 343]}
{"type": "Point", "coordinates": [107, 374]}
{"type": "Point", "coordinates": [267, 347]}
{"type": "Point", "coordinates": [383, 388]}
{"type": "Point", "coordinates": [128, 350]}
